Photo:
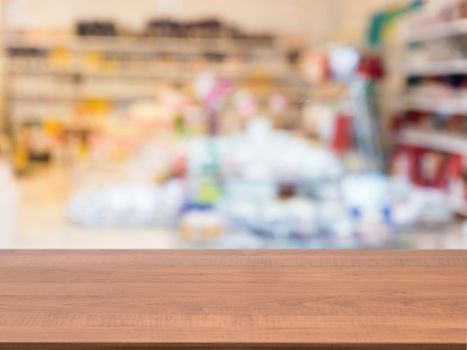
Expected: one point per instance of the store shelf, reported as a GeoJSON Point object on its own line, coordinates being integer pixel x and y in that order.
{"type": "Point", "coordinates": [455, 66]}
{"type": "Point", "coordinates": [436, 31]}
{"type": "Point", "coordinates": [120, 98]}
{"type": "Point", "coordinates": [145, 74]}
{"type": "Point", "coordinates": [447, 106]}
{"type": "Point", "coordinates": [120, 74]}
{"type": "Point", "coordinates": [441, 142]}
{"type": "Point", "coordinates": [141, 45]}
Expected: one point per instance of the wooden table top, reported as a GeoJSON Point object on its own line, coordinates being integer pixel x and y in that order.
{"type": "Point", "coordinates": [233, 299]}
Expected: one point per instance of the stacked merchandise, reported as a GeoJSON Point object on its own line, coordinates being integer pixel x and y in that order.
{"type": "Point", "coordinates": [432, 132]}
{"type": "Point", "coordinates": [229, 173]}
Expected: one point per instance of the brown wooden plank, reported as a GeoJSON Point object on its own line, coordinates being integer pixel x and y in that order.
{"type": "Point", "coordinates": [233, 299]}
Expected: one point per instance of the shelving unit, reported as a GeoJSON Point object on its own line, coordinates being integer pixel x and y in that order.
{"type": "Point", "coordinates": [435, 31]}
{"type": "Point", "coordinates": [427, 136]}
{"type": "Point", "coordinates": [75, 72]}
{"type": "Point", "coordinates": [143, 45]}
{"type": "Point", "coordinates": [261, 61]}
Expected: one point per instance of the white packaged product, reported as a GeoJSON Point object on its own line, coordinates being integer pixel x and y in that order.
{"type": "Point", "coordinates": [120, 205]}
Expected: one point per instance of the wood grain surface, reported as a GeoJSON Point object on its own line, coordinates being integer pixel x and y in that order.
{"type": "Point", "coordinates": [233, 299]}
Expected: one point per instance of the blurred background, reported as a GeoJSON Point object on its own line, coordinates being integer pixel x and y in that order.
{"type": "Point", "coordinates": [233, 124]}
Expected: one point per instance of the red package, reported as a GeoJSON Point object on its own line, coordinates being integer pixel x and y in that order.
{"type": "Point", "coordinates": [342, 140]}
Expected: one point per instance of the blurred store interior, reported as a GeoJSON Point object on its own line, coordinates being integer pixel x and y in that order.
{"type": "Point", "coordinates": [230, 124]}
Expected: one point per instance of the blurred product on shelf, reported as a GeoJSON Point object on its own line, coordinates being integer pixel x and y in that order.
{"type": "Point", "coordinates": [96, 28]}
{"type": "Point", "coordinates": [209, 28]}
{"type": "Point", "coordinates": [202, 29]}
